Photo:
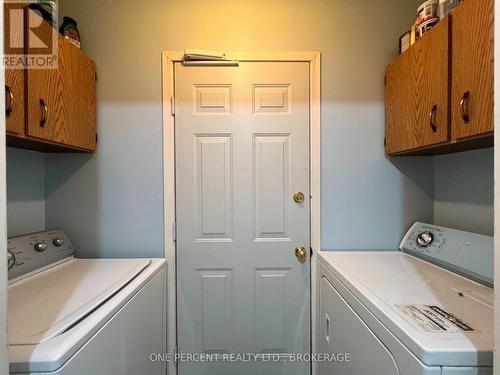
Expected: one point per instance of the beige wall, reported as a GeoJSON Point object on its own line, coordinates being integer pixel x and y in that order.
{"type": "Point", "coordinates": [357, 38]}
{"type": "Point", "coordinates": [120, 188]}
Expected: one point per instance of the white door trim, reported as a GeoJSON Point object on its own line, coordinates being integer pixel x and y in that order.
{"type": "Point", "coordinates": [168, 60]}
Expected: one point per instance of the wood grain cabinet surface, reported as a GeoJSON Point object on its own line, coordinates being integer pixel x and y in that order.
{"type": "Point", "coordinates": [417, 94]}
{"type": "Point", "coordinates": [472, 70]}
{"type": "Point", "coordinates": [14, 102]}
{"type": "Point", "coordinates": [58, 111]}
{"type": "Point", "coordinates": [439, 93]}
{"type": "Point", "coordinates": [14, 85]}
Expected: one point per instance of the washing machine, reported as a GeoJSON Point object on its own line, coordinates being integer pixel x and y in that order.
{"type": "Point", "coordinates": [425, 309]}
{"type": "Point", "coordinates": [82, 316]}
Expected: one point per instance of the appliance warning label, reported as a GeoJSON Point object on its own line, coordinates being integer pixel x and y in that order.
{"type": "Point", "coordinates": [434, 319]}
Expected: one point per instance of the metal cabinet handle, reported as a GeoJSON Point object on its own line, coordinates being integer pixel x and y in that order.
{"type": "Point", "coordinates": [9, 100]}
{"type": "Point", "coordinates": [45, 111]}
{"type": "Point", "coordinates": [464, 107]}
{"type": "Point", "coordinates": [432, 118]}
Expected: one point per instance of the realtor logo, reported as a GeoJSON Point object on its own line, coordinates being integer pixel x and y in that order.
{"type": "Point", "coordinates": [30, 39]}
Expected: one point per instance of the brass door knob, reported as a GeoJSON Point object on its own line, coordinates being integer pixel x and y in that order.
{"type": "Point", "coordinates": [301, 253]}
{"type": "Point", "coordinates": [298, 197]}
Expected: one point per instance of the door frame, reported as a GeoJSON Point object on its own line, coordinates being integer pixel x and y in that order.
{"type": "Point", "coordinates": [169, 58]}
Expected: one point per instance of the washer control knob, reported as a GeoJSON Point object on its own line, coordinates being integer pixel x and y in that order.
{"type": "Point", "coordinates": [424, 239]}
{"type": "Point", "coordinates": [11, 259]}
{"type": "Point", "coordinates": [58, 241]}
{"type": "Point", "coordinates": [40, 246]}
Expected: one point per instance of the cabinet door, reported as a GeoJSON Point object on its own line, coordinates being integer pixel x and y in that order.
{"type": "Point", "coordinates": [14, 101]}
{"type": "Point", "coordinates": [417, 112]}
{"type": "Point", "coordinates": [62, 101]}
{"type": "Point", "coordinates": [472, 69]}
{"type": "Point", "coordinates": [45, 116]}
{"type": "Point", "coordinates": [14, 79]}
{"type": "Point", "coordinates": [78, 77]}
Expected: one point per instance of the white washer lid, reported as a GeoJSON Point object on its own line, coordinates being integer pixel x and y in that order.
{"type": "Point", "coordinates": [46, 304]}
{"type": "Point", "coordinates": [395, 285]}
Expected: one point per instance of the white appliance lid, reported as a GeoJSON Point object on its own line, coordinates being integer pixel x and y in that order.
{"type": "Point", "coordinates": [46, 304]}
{"type": "Point", "coordinates": [442, 317]}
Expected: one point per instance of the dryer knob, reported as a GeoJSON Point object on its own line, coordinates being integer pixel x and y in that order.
{"type": "Point", "coordinates": [424, 239]}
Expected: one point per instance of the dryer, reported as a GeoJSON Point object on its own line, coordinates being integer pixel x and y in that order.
{"type": "Point", "coordinates": [427, 309]}
{"type": "Point", "coordinates": [82, 316]}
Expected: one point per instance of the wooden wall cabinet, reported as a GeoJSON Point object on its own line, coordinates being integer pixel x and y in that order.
{"type": "Point", "coordinates": [58, 108]}
{"type": "Point", "coordinates": [439, 93]}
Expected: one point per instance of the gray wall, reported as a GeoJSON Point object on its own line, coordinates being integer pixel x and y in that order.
{"type": "Point", "coordinates": [112, 202]}
{"type": "Point", "coordinates": [463, 191]}
{"type": "Point", "coordinates": [25, 191]}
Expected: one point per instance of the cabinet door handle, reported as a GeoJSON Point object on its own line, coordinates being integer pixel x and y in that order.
{"type": "Point", "coordinates": [464, 107]}
{"type": "Point", "coordinates": [45, 111]}
{"type": "Point", "coordinates": [9, 100]}
{"type": "Point", "coordinates": [432, 118]}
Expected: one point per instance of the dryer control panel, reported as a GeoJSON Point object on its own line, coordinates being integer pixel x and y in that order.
{"type": "Point", "coordinates": [32, 251]}
{"type": "Point", "coordinates": [469, 254]}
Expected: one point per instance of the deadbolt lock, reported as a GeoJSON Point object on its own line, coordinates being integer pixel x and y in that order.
{"type": "Point", "coordinates": [298, 197]}
{"type": "Point", "coordinates": [301, 253]}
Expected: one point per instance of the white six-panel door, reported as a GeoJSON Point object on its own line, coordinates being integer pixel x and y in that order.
{"type": "Point", "coordinates": [242, 151]}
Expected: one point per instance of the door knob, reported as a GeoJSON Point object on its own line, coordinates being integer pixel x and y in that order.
{"type": "Point", "coordinates": [301, 253]}
{"type": "Point", "coordinates": [298, 197]}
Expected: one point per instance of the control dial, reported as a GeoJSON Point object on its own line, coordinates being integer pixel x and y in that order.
{"type": "Point", "coordinates": [424, 239]}
{"type": "Point", "coordinates": [40, 246]}
{"type": "Point", "coordinates": [58, 241]}
{"type": "Point", "coordinates": [11, 259]}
